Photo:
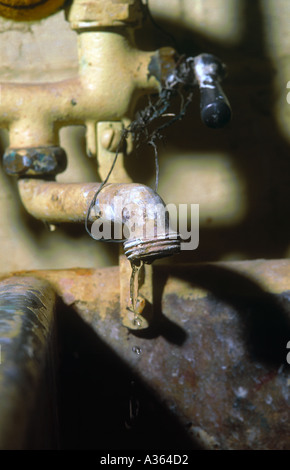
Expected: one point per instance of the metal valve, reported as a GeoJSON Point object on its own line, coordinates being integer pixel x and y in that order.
{"type": "Point", "coordinates": [215, 109]}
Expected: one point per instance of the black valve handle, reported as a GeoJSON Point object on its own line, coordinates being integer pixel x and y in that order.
{"type": "Point", "coordinates": [215, 109]}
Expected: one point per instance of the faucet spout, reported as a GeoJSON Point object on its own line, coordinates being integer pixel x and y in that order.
{"type": "Point", "coordinates": [145, 220]}
{"type": "Point", "coordinates": [137, 208]}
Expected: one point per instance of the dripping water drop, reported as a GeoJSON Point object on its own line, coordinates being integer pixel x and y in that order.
{"type": "Point", "coordinates": [137, 350]}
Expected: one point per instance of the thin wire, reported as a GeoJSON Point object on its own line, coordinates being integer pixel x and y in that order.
{"type": "Point", "coordinates": [177, 117]}
{"type": "Point", "coordinates": [157, 26]}
{"type": "Point", "coordinates": [151, 142]}
{"type": "Point", "coordinates": [93, 201]}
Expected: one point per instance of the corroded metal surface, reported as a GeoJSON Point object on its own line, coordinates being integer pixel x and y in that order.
{"type": "Point", "coordinates": [37, 161]}
{"type": "Point", "coordinates": [27, 345]}
{"type": "Point", "coordinates": [163, 64]}
{"type": "Point", "coordinates": [137, 316]}
{"type": "Point", "coordinates": [214, 356]}
{"type": "Point", "coordinates": [136, 206]}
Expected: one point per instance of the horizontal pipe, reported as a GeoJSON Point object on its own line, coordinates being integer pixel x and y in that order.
{"type": "Point", "coordinates": [148, 234]}
{"type": "Point", "coordinates": [57, 203]}
{"type": "Point", "coordinates": [54, 202]}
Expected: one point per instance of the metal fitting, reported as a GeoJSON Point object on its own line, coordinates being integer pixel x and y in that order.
{"type": "Point", "coordinates": [85, 14]}
{"type": "Point", "coordinates": [136, 206]}
{"type": "Point", "coordinates": [110, 138]}
{"type": "Point", "coordinates": [109, 141]}
{"type": "Point", "coordinates": [142, 211]}
{"type": "Point", "coordinates": [215, 109]}
{"type": "Point", "coordinates": [163, 63]}
{"type": "Point", "coordinates": [35, 161]}
{"type": "Point", "coordinates": [149, 249]}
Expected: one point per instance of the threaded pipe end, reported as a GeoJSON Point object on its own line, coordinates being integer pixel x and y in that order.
{"type": "Point", "coordinates": [147, 250]}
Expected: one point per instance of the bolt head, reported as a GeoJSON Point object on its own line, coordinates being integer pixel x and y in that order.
{"type": "Point", "coordinates": [110, 139]}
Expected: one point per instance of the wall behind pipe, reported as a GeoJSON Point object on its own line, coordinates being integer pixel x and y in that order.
{"type": "Point", "coordinates": [238, 175]}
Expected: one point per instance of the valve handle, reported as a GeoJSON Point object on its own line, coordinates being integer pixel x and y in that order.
{"type": "Point", "coordinates": [215, 109]}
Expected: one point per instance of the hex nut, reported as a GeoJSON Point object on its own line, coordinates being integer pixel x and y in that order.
{"type": "Point", "coordinates": [34, 161]}
{"type": "Point", "coordinates": [112, 13]}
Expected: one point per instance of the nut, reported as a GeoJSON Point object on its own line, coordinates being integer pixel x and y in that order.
{"type": "Point", "coordinates": [35, 161]}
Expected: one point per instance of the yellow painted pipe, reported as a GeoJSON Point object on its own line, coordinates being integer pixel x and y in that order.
{"type": "Point", "coordinates": [29, 10]}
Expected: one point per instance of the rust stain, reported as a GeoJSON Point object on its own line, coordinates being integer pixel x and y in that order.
{"type": "Point", "coordinates": [98, 288]}
{"type": "Point", "coordinates": [197, 357]}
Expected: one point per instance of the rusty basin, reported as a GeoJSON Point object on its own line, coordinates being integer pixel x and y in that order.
{"type": "Point", "coordinates": [211, 372]}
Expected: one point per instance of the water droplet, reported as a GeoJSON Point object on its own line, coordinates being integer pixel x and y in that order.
{"type": "Point", "coordinates": [268, 399]}
{"type": "Point", "coordinates": [137, 321]}
{"type": "Point", "coordinates": [137, 350]}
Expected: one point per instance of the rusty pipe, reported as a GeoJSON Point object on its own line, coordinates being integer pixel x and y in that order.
{"type": "Point", "coordinates": [216, 359]}
{"type": "Point", "coordinates": [103, 90]}
{"type": "Point", "coordinates": [27, 371]}
{"type": "Point", "coordinates": [138, 208]}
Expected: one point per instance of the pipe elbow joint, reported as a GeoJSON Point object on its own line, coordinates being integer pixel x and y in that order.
{"type": "Point", "coordinates": [139, 216]}
{"type": "Point", "coordinates": [144, 219]}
